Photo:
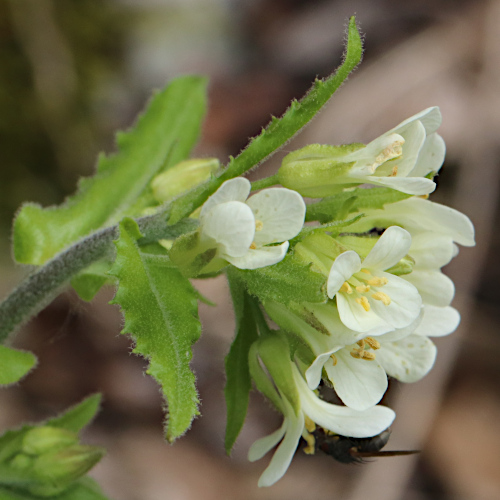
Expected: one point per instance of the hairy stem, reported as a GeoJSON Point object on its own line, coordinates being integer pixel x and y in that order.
{"type": "Point", "coordinates": [40, 287]}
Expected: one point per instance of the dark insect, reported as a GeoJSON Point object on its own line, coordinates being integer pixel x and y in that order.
{"type": "Point", "coordinates": [348, 450]}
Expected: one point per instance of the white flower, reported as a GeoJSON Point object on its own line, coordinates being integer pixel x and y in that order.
{"type": "Point", "coordinates": [402, 157]}
{"type": "Point", "coordinates": [313, 410]}
{"type": "Point", "coordinates": [369, 298]}
{"type": "Point", "coordinates": [243, 228]}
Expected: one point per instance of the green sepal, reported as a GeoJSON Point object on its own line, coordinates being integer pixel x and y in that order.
{"type": "Point", "coordinates": [274, 351]}
{"type": "Point", "coordinates": [289, 280]}
{"type": "Point", "coordinates": [316, 170]}
{"type": "Point", "coordinates": [238, 380]}
{"type": "Point", "coordinates": [279, 131]}
{"type": "Point", "coordinates": [349, 201]}
{"type": "Point", "coordinates": [192, 257]}
{"type": "Point", "coordinates": [162, 137]}
{"type": "Point", "coordinates": [14, 364]}
{"type": "Point", "coordinates": [161, 314]}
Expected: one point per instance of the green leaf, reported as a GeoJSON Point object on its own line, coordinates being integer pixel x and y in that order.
{"type": "Point", "coordinates": [341, 205]}
{"type": "Point", "coordinates": [238, 381]}
{"type": "Point", "coordinates": [87, 283]}
{"type": "Point", "coordinates": [161, 314]}
{"type": "Point", "coordinates": [279, 131]}
{"type": "Point", "coordinates": [14, 364]}
{"type": "Point", "coordinates": [285, 282]}
{"type": "Point", "coordinates": [79, 416]}
{"type": "Point", "coordinates": [163, 136]}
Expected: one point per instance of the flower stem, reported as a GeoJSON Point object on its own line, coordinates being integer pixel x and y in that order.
{"type": "Point", "coordinates": [43, 285]}
{"type": "Point", "coordinates": [265, 183]}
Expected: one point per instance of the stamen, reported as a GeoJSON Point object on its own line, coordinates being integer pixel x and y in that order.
{"type": "Point", "coordinates": [346, 288]}
{"type": "Point", "coordinates": [377, 281]}
{"type": "Point", "coordinates": [253, 246]}
{"type": "Point", "coordinates": [363, 302]}
{"type": "Point", "coordinates": [365, 271]}
{"type": "Point", "coordinates": [374, 344]}
{"type": "Point", "coordinates": [363, 288]}
{"type": "Point", "coordinates": [423, 196]}
{"type": "Point", "coordinates": [357, 353]}
{"type": "Point", "coordinates": [392, 151]}
{"type": "Point", "coordinates": [369, 356]}
{"type": "Point", "coordinates": [309, 424]}
{"type": "Point", "coordinates": [310, 448]}
{"type": "Point", "coordinates": [361, 343]}
{"type": "Point", "coordinates": [259, 225]}
{"type": "Point", "coordinates": [394, 171]}
{"type": "Point", "coordinates": [386, 300]}
{"type": "Point", "coordinates": [334, 359]}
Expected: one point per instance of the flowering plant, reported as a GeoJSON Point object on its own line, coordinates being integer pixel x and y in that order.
{"type": "Point", "coordinates": [343, 301]}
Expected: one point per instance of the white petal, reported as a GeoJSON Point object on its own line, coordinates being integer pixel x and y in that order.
{"type": "Point", "coordinates": [391, 247]}
{"type": "Point", "coordinates": [313, 373]}
{"type": "Point", "coordinates": [431, 156]}
{"type": "Point", "coordinates": [284, 454]}
{"type": "Point", "coordinates": [260, 257]}
{"type": "Point", "coordinates": [356, 318]}
{"type": "Point", "coordinates": [236, 189]}
{"type": "Point", "coordinates": [409, 359]}
{"type": "Point", "coordinates": [282, 212]}
{"type": "Point", "coordinates": [438, 321]}
{"type": "Point", "coordinates": [341, 419]}
{"type": "Point", "coordinates": [405, 302]}
{"type": "Point", "coordinates": [359, 383]}
{"type": "Point", "coordinates": [232, 226]}
{"type": "Point", "coordinates": [344, 266]}
{"type": "Point", "coordinates": [430, 118]}
{"type": "Point", "coordinates": [431, 251]}
{"type": "Point", "coordinates": [414, 136]}
{"type": "Point", "coordinates": [401, 333]}
{"type": "Point", "coordinates": [434, 287]}
{"type": "Point", "coordinates": [263, 445]}
{"type": "Point", "coordinates": [410, 185]}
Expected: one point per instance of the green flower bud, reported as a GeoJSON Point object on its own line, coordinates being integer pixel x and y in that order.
{"type": "Point", "coordinates": [318, 170]}
{"type": "Point", "coordinates": [47, 439]}
{"type": "Point", "coordinates": [57, 470]}
{"type": "Point", "coordinates": [182, 177]}
{"type": "Point", "coordinates": [319, 249]}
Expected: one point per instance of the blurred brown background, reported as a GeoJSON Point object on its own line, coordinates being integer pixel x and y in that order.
{"type": "Point", "coordinates": [74, 71]}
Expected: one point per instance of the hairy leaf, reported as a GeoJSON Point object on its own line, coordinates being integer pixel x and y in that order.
{"type": "Point", "coordinates": [278, 131]}
{"type": "Point", "coordinates": [14, 364]}
{"type": "Point", "coordinates": [163, 136]}
{"type": "Point", "coordinates": [238, 381]}
{"type": "Point", "coordinates": [161, 314]}
{"type": "Point", "coordinates": [339, 206]}
{"type": "Point", "coordinates": [285, 282]}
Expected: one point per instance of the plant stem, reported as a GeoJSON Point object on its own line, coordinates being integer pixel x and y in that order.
{"type": "Point", "coordinates": [264, 183]}
{"type": "Point", "coordinates": [43, 285]}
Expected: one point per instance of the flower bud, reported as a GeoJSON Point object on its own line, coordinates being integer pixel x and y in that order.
{"type": "Point", "coordinates": [182, 177]}
{"type": "Point", "coordinates": [47, 439]}
{"type": "Point", "coordinates": [55, 471]}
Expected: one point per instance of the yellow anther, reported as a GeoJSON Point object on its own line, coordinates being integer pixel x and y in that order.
{"type": "Point", "coordinates": [310, 448]}
{"type": "Point", "coordinates": [334, 359]}
{"type": "Point", "coordinates": [253, 246]}
{"type": "Point", "coordinates": [363, 302]}
{"type": "Point", "coordinates": [346, 288]}
{"type": "Point", "coordinates": [392, 151]}
{"type": "Point", "coordinates": [377, 281]}
{"type": "Point", "coordinates": [394, 171]}
{"type": "Point", "coordinates": [365, 271]}
{"type": "Point", "coordinates": [309, 424]}
{"type": "Point", "coordinates": [369, 356]}
{"type": "Point", "coordinates": [386, 300]}
{"type": "Point", "coordinates": [357, 353]}
{"type": "Point", "coordinates": [259, 225]}
{"type": "Point", "coordinates": [363, 288]}
{"type": "Point", "coordinates": [423, 196]}
{"type": "Point", "coordinates": [374, 344]}
{"type": "Point", "coordinates": [361, 343]}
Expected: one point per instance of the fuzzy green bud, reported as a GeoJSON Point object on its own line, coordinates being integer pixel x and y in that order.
{"type": "Point", "coordinates": [183, 177]}
{"type": "Point", "coordinates": [318, 170]}
{"type": "Point", "coordinates": [56, 471]}
{"type": "Point", "coordinates": [47, 439]}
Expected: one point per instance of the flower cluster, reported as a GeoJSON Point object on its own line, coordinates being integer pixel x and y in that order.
{"type": "Point", "coordinates": [383, 293]}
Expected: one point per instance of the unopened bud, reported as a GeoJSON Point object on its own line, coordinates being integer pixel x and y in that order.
{"type": "Point", "coordinates": [47, 439]}
{"type": "Point", "coordinates": [183, 177]}
{"type": "Point", "coordinates": [404, 266]}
